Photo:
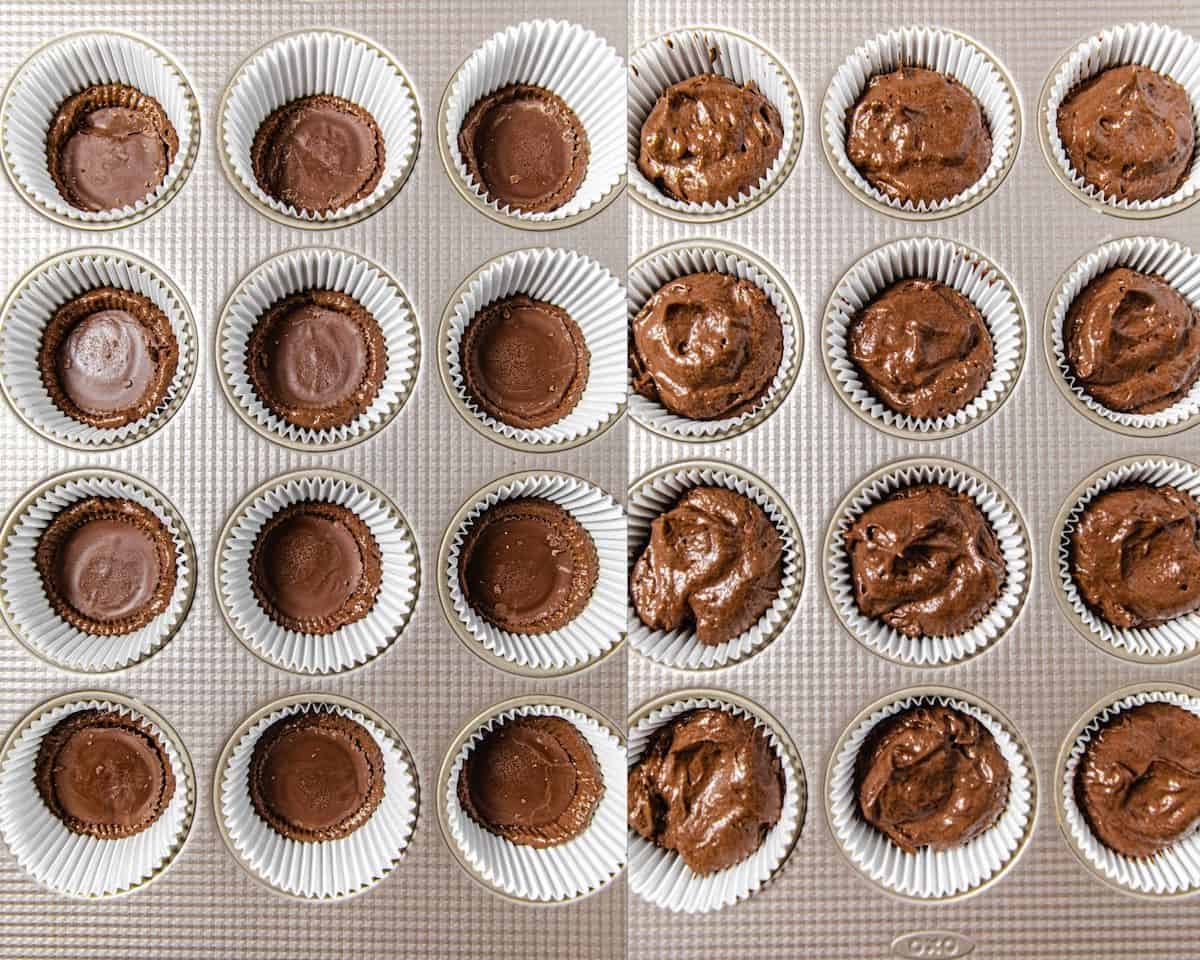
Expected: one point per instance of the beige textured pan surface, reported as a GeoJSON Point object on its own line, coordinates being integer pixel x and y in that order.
{"type": "Point", "coordinates": [815, 678]}
{"type": "Point", "coordinates": [427, 460]}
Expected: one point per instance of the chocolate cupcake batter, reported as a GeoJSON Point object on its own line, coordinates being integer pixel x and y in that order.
{"type": "Point", "coordinates": [922, 349]}
{"type": "Point", "coordinates": [109, 147]}
{"type": "Point", "coordinates": [107, 357]}
{"type": "Point", "coordinates": [103, 774]}
{"type": "Point", "coordinates": [708, 786]}
{"type": "Point", "coordinates": [1133, 342]}
{"type": "Point", "coordinates": [316, 776]}
{"type": "Point", "coordinates": [532, 780]}
{"type": "Point", "coordinates": [315, 567]}
{"type": "Point", "coordinates": [930, 776]}
{"type": "Point", "coordinates": [317, 359]}
{"type": "Point", "coordinates": [107, 565]}
{"type": "Point", "coordinates": [925, 561]}
{"type": "Point", "coordinates": [706, 346]}
{"type": "Point", "coordinates": [318, 154]}
{"type": "Point", "coordinates": [1138, 781]}
{"type": "Point", "coordinates": [1128, 132]}
{"type": "Point", "coordinates": [524, 361]}
{"type": "Point", "coordinates": [526, 147]}
{"type": "Point", "coordinates": [918, 136]}
{"type": "Point", "coordinates": [1135, 555]}
{"type": "Point", "coordinates": [714, 561]}
{"type": "Point", "coordinates": [708, 140]}
{"type": "Point", "coordinates": [527, 566]}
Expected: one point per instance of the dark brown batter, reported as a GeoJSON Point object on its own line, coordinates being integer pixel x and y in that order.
{"type": "Point", "coordinates": [532, 780]}
{"type": "Point", "coordinates": [317, 359]}
{"type": "Point", "coordinates": [714, 560]}
{"type": "Point", "coordinates": [1135, 555]}
{"type": "Point", "coordinates": [526, 147]}
{"type": "Point", "coordinates": [315, 567]}
{"type": "Point", "coordinates": [706, 346]}
{"type": "Point", "coordinates": [925, 561]}
{"type": "Point", "coordinates": [1133, 342]}
{"type": "Point", "coordinates": [918, 135]}
{"type": "Point", "coordinates": [527, 566]}
{"type": "Point", "coordinates": [931, 776]}
{"type": "Point", "coordinates": [1128, 132]}
{"type": "Point", "coordinates": [109, 147]}
{"type": "Point", "coordinates": [708, 140]}
{"type": "Point", "coordinates": [107, 565]}
{"type": "Point", "coordinates": [922, 348]}
{"type": "Point", "coordinates": [316, 776]}
{"type": "Point", "coordinates": [1138, 781]}
{"type": "Point", "coordinates": [524, 361]}
{"type": "Point", "coordinates": [318, 154]}
{"type": "Point", "coordinates": [103, 774]}
{"type": "Point", "coordinates": [107, 357]}
{"type": "Point", "coordinates": [709, 786]}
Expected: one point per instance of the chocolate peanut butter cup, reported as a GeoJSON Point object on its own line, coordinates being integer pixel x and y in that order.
{"type": "Point", "coordinates": [316, 776]}
{"type": "Point", "coordinates": [103, 774]}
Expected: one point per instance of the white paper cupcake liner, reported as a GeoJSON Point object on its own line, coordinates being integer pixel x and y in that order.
{"type": "Point", "coordinates": [655, 270]}
{"type": "Point", "coordinates": [1172, 640]}
{"type": "Point", "coordinates": [568, 60]}
{"type": "Point", "coordinates": [598, 628]}
{"type": "Point", "coordinates": [957, 266]}
{"type": "Point", "coordinates": [28, 311]}
{"type": "Point", "coordinates": [568, 870]}
{"type": "Point", "coordinates": [682, 54]}
{"type": "Point", "coordinates": [73, 864]}
{"type": "Point", "coordinates": [943, 51]}
{"type": "Point", "coordinates": [1171, 261]}
{"type": "Point", "coordinates": [68, 66]}
{"type": "Point", "coordinates": [306, 64]}
{"type": "Point", "coordinates": [660, 876]}
{"type": "Point", "coordinates": [932, 874]}
{"type": "Point", "coordinates": [1006, 522]}
{"type": "Point", "coordinates": [330, 869]}
{"type": "Point", "coordinates": [320, 269]}
{"type": "Point", "coordinates": [23, 601]}
{"type": "Point", "coordinates": [353, 644]}
{"type": "Point", "coordinates": [594, 300]}
{"type": "Point", "coordinates": [1174, 870]}
{"type": "Point", "coordinates": [655, 494]}
{"type": "Point", "coordinates": [1160, 48]}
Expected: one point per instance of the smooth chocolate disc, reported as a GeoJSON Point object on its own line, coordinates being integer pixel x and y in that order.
{"type": "Point", "coordinates": [310, 565]}
{"type": "Point", "coordinates": [108, 569]}
{"type": "Point", "coordinates": [320, 357]}
{"type": "Point", "coordinates": [105, 363]}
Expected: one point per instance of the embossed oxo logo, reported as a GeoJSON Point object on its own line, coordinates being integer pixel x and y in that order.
{"type": "Point", "coordinates": [932, 945]}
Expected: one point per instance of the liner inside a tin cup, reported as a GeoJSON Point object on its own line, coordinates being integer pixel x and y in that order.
{"type": "Point", "coordinates": [569, 61]}
{"type": "Point", "coordinates": [957, 266]}
{"type": "Point", "coordinates": [568, 870]}
{"type": "Point", "coordinates": [932, 874]}
{"type": "Point", "coordinates": [600, 625]}
{"type": "Point", "coordinates": [1174, 870]}
{"type": "Point", "coordinates": [945, 52]}
{"type": "Point", "coordinates": [660, 876]}
{"type": "Point", "coordinates": [658, 268]}
{"type": "Point", "coordinates": [67, 67]}
{"type": "Point", "coordinates": [321, 269]}
{"type": "Point", "coordinates": [29, 310]}
{"type": "Point", "coordinates": [329, 869]}
{"type": "Point", "coordinates": [23, 595]}
{"type": "Point", "coordinates": [594, 300]}
{"type": "Point", "coordinates": [925, 651]}
{"type": "Point", "coordinates": [353, 644]}
{"type": "Point", "coordinates": [322, 62]}
{"type": "Point", "coordinates": [1162, 49]}
{"type": "Point", "coordinates": [74, 864]}
{"type": "Point", "coordinates": [1174, 263]}
{"type": "Point", "coordinates": [659, 492]}
{"type": "Point", "coordinates": [1168, 641]}
{"type": "Point", "coordinates": [683, 54]}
